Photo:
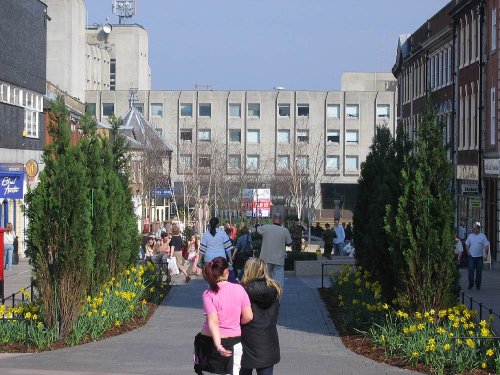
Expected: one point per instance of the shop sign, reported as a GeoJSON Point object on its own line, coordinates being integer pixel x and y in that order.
{"type": "Point", "coordinates": [31, 168]}
{"type": "Point", "coordinates": [11, 184]}
{"type": "Point", "coordinates": [492, 167]}
{"type": "Point", "coordinates": [470, 188]}
{"type": "Point", "coordinates": [467, 172]}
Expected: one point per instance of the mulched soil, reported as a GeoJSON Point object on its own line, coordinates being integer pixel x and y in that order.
{"type": "Point", "coordinates": [364, 346]}
{"type": "Point", "coordinates": [130, 325]}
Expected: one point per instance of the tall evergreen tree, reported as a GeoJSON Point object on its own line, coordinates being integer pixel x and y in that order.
{"type": "Point", "coordinates": [59, 235]}
{"type": "Point", "coordinates": [378, 186]}
{"type": "Point", "coordinates": [421, 228]}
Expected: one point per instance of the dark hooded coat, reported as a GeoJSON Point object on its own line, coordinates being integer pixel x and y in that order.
{"type": "Point", "coordinates": [261, 347]}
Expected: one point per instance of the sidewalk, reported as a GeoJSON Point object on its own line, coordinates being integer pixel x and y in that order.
{"type": "Point", "coordinates": [18, 277]}
{"type": "Point", "coordinates": [309, 342]}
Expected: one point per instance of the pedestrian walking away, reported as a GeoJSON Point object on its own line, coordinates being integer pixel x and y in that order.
{"type": "Point", "coordinates": [215, 243]}
{"type": "Point", "coordinates": [176, 244]}
{"type": "Point", "coordinates": [218, 347]}
{"type": "Point", "coordinates": [261, 347]}
{"type": "Point", "coordinates": [273, 251]}
{"type": "Point", "coordinates": [477, 246]}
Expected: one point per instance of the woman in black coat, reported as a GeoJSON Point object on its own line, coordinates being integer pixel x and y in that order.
{"type": "Point", "coordinates": [261, 347]}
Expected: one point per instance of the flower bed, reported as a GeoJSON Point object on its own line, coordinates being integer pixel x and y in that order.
{"type": "Point", "coordinates": [431, 341]}
{"type": "Point", "coordinates": [125, 301]}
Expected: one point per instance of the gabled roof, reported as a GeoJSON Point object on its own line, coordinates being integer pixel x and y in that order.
{"type": "Point", "coordinates": [403, 50]}
{"type": "Point", "coordinates": [140, 133]}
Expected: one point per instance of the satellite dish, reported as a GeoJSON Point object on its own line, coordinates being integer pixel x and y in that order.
{"type": "Point", "coordinates": [107, 28]}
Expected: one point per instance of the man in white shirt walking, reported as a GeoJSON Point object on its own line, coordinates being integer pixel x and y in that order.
{"type": "Point", "coordinates": [477, 246]}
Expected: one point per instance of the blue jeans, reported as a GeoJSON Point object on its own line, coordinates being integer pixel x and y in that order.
{"type": "Point", "coordinates": [8, 250]}
{"type": "Point", "coordinates": [339, 248]}
{"type": "Point", "coordinates": [260, 371]}
{"type": "Point", "coordinates": [475, 264]}
{"type": "Point", "coordinates": [277, 273]}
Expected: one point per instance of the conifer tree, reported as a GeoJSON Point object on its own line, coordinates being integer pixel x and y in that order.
{"type": "Point", "coordinates": [59, 235]}
{"type": "Point", "coordinates": [421, 227]}
{"type": "Point", "coordinates": [378, 186]}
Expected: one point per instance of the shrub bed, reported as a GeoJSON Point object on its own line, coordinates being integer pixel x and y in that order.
{"type": "Point", "coordinates": [119, 301]}
{"type": "Point", "coordinates": [291, 257]}
{"type": "Point", "coordinates": [438, 341]}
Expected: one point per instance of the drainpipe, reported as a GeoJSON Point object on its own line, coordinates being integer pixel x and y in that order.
{"type": "Point", "coordinates": [480, 91]}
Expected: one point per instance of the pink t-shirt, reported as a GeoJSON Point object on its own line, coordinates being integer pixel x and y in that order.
{"type": "Point", "coordinates": [228, 303]}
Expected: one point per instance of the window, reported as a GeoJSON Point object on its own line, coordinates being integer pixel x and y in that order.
{"type": "Point", "coordinates": [352, 111]}
{"type": "Point", "coordinates": [333, 136]}
{"type": "Point", "coordinates": [492, 117]}
{"type": "Point", "coordinates": [185, 161]}
{"type": "Point", "coordinates": [303, 163]}
{"type": "Point", "coordinates": [186, 135]}
{"type": "Point", "coordinates": [186, 110]}
{"type": "Point", "coordinates": [90, 108]}
{"type": "Point", "coordinates": [253, 109]}
{"type": "Point", "coordinates": [234, 161]}
{"type": "Point", "coordinates": [253, 162]}
{"type": "Point", "coordinates": [332, 163]}
{"type": "Point", "coordinates": [204, 135]}
{"type": "Point", "coordinates": [283, 110]}
{"type": "Point", "coordinates": [333, 110]}
{"type": "Point", "coordinates": [351, 162]}
{"type": "Point", "coordinates": [253, 136]}
{"type": "Point", "coordinates": [493, 29]}
{"type": "Point", "coordinates": [112, 74]}
{"type": "Point", "coordinates": [234, 110]}
{"type": "Point", "coordinates": [284, 136]}
{"type": "Point", "coordinates": [205, 110]}
{"type": "Point", "coordinates": [383, 110]}
{"type": "Point", "coordinates": [283, 162]}
{"type": "Point", "coordinates": [159, 131]}
{"type": "Point", "coordinates": [157, 109]}
{"type": "Point", "coordinates": [139, 107]}
{"type": "Point", "coordinates": [303, 136]}
{"type": "Point", "coordinates": [303, 110]}
{"type": "Point", "coordinates": [352, 136]}
{"type": "Point", "coordinates": [31, 123]}
{"type": "Point", "coordinates": [235, 135]}
{"type": "Point", "coordinates": [204, 161]}
{"type": "Point", "coordinates": [108, 109]}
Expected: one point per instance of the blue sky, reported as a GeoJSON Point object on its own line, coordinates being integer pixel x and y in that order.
{"type": "Point", "coordinates": [260, 44]}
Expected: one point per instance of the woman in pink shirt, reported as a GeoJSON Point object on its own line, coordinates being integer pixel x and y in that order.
{"type": "Point", "coordinates": [226, 307]}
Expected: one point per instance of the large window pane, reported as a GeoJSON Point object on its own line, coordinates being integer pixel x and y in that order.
{"type": "Point", "coordinates": [283, 162]}
{"type": "Point", "coordinates": [90, 108]}
{"type": "Point", "coordinates": [205, 110]}
{"type": "Point", "coordinates": [352, 136]}
{"type": "Point", "coordinates": [303, 136]}
{"type": "Point", "coordinates": [253, 162]}
{"type": "Point", "coordinates": [235, 135]}
{"type": "Point", "coordinates": [333, 136]}
{"type": "Point", "coordinates": [383, 110]}
{"type": "Point", "coordinates": [186, 110]}
{"type": "Point", "coordinates": [186, 135]}
{"type": "Point", "coordinates": [204, 161]}
{"type": "Point", "coordinates": [204, 135]}
{"type": "Point", "coordinates": [235, 110]}
{"type": "Point", "coordinates": [333, 110]}
{"type": "Point", "coordinates": [351, 162]}
{"type": "Point", "coordinates": [352, 110]}
{"type": "Point", "coordinates": [157, 109]}
{"type": "Point", "coordinates": [108, 109]}
{"type": "Point", "coordinates": [332, 163]}
{"type": "Point", "coordinates": [234, 161]}
{"type": "Point", "coordinates": [284, 110]}
{"type": "Point", "coordinates": [284, 136]}
{"type": "Point", "coordinates": [253, 136]}
{"type": "Point", "coordinates": [303, 163]}
{"type": "Point", "coordinates": [303, 110]}
{"type": "Point", "coordinates": [185, 161]}
{"type": "Point", "coordinates": [253, 109]}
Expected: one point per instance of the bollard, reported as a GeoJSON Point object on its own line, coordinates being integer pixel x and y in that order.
{"type": "Point", "coordinates": [2, 275]}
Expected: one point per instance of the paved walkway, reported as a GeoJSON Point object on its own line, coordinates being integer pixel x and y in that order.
{"type": "Point", "coordinates": [309, 341]}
